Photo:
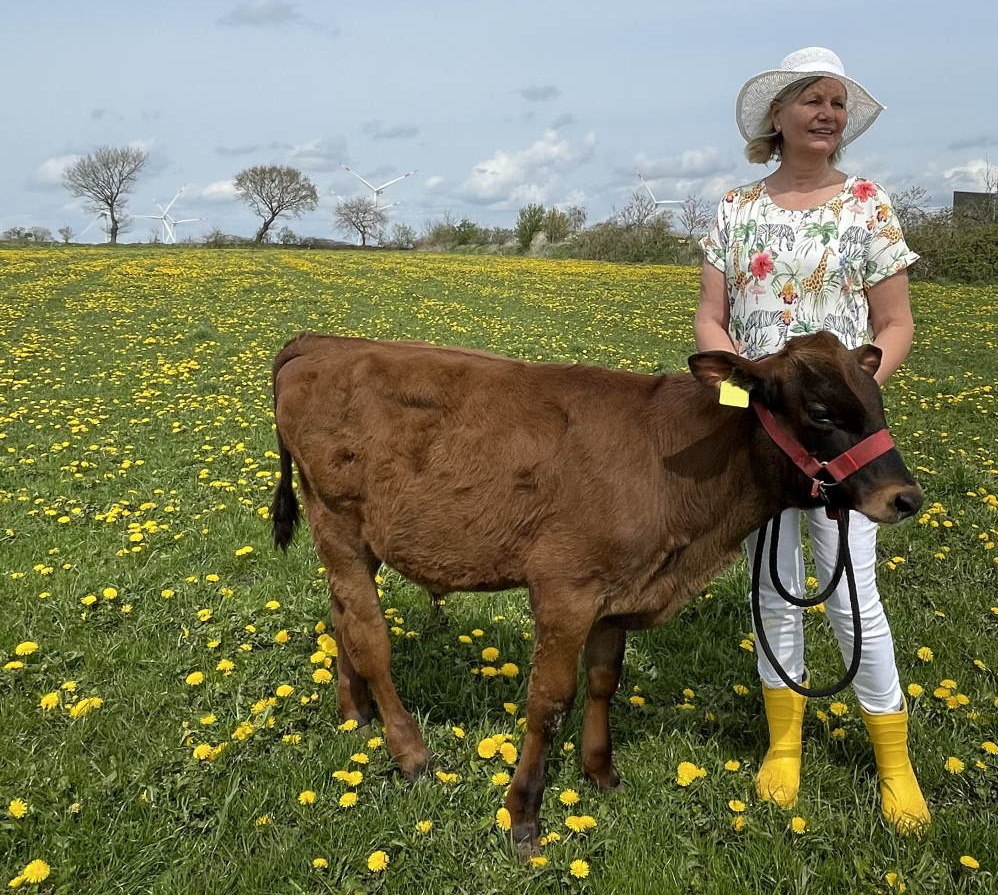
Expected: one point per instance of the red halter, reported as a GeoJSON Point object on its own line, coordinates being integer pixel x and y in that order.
{"type": "Point", "coordinates": [843, 466]}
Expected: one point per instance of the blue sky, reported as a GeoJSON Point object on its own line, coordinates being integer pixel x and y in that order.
{"type": "Point", "coordinates": [494, 104]}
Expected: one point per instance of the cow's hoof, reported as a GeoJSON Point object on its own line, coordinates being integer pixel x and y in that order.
{"type": "Point", "coordinates": [527, 847]}
{"type": "Point", "coordinates": [606, 779]}
{"type": "Point", "coordinates": [415, 767]}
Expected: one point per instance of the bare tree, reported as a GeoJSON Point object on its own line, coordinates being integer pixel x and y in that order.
{"type": "Point", "coordinates": [638, 212]}
{"type": "Point", "coordinates": [272, 190]}
{"type": "Point", "coordinates": [66, 233]}
{"type": "Point", "coordinates": [576, 217]}
{"type": "Point", "coordinates": [694, 215]}
{"type": "Point", "coordinates": [104, 178]}
{"type": "Point", "coordinates": [361, 216]}
{"type": "Point", "coordinates": [909, 206]}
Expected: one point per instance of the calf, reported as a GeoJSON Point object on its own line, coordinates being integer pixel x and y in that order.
{"type": "Point", "coordinates": [612, 496]}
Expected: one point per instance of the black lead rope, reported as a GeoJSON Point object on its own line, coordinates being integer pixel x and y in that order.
{"type": "Point", "coordinates": [842, 562]}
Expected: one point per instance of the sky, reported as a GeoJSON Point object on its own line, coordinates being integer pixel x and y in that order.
{"type": "Point", "coordinates": [493, 105]}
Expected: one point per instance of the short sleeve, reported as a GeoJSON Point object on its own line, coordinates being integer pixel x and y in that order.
{"type": "Point", "coordinates": [887, 253]}
{"type": "Point", "coordinates": [715, 243]}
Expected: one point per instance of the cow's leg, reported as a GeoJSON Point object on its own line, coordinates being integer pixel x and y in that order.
{"type": "Point", "coordinates": [363, 635]}
{"type": "Point", "coordinates": [562, 621]}
{"type": "Point", "coordinates": [352, 692]}
{"type": "Point", "coordinates": [604, 657]}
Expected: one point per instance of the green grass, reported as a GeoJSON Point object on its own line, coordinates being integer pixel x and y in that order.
{"type": "Point", "coordinates": [135, 399]}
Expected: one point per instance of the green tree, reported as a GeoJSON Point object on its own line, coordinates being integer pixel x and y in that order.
{"type": "Point", "coordinates": [529, 222]}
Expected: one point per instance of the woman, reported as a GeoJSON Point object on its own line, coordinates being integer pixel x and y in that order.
{"type": "Point", "coordinates": [807, 249]}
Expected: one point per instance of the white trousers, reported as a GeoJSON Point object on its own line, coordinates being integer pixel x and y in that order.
{"type": "Point", "coordinates": [877, 686]}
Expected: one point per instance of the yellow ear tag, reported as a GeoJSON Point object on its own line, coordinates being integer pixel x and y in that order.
{"type": "Point", "coordinates": [733, 395]}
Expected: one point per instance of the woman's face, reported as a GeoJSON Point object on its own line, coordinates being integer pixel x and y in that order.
{"type": "Point", "coordinates": [813, 121]}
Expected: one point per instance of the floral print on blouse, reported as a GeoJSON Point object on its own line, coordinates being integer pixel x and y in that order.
{"type": "Point", "coordinates": [795, 272]}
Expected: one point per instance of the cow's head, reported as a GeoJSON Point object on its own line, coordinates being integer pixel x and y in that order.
{"type": "Point", "coordinates": [824, 396]}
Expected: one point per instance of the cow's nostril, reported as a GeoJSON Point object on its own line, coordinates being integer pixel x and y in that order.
{"type": "Point", "coordinates": [907, 502]}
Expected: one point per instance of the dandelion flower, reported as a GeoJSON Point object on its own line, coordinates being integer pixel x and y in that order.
{"type": "Point", "coordinates": [49, 701]}
{"type": "Point", "coordinates": [375, 743]}
{"type": "Point", "coordinates": [990, 747]}
{"type": "Point", "coordinates": [321, 676]}
{"type": "Point", "coordinates": [349, 724]}
{"type": "Point", "coordinates": [508, 753]}
{"type": "Point", "coordinates": [348, 800]}
{"type": "Point", "coordinates": [838, 709]}
{"type": "Point", "coordinates": [424, 826]}
{"type": "Point", "coordinates": [579, 869]}
{"type": "Point", "coordinates": [263, 820]}
{"type": "Point", "coordinates": [488, 748]}
{"type": "Point", "coordinates": [503, 820]}
{"type": "Point", "coordinates": [320, 863]}
{"type": "Point", "coordinates": [915, 690]}
{"type": "Point", "coordinates": [500, 779]}
{"type": "Point", "coordinates": [738, 823]}
{"type": "Point", "coordinates": [736, 806]}
{"type": "Point", "coordinates": [732, 765]}
{"type": "Point", "coordinates": [85, 706]}
{"type": "Point", "coordinates": [925, 654]}
{"type": "Point", "coordinates": [26, 649]}
{"type": "Point", "coordinates": [687, 772]}
{"type": "Point", "coordinates": [969, 862]}
{"type": "Point", "coordinates": [306, 797]}
{"type": "Point", "coordinates": [636, 700]}
{"type": "Point", "coordinates": [798, 825]}
{"type": "Point", "coordinates": [17, 808]}
{"type": "Point", "coordinates": [538, 861]}
{"type": "Point", "coordinates": [284, 691]}
{"type": "Point", "coordinates": [282, 636]}
{"type": "Point", "coordinates": [377, 861]}
{"type": "Point", "coordinates": [109, 593]}
{"type": "Point", "coordinates": [359, 758]}
{"type": "Point", "coordinates": [568, 797]}
{"type": "Point", "coordinates": [580, 823]}
{"type": "Point", "coordinates": [740, 690]}
{"type": "Point", "coordinates": [954, 765]}
{"type": "Point", "coordinates": [445, 777]}
{"type": "Point", "coordinates": [194, 679]}
{"type": "Point", "coordinates": [458, 732]}
{"type": "Point", "coordinates": [893, 879]}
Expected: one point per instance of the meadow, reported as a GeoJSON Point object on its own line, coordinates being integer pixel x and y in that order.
{"type": "Point", "coordinates": [168, 721]}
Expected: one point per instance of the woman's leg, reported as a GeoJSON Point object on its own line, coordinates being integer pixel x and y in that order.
{"type": "Point", "coordinates": [778, 779]}
{"type": "Point", "coordinates": [877, 686]}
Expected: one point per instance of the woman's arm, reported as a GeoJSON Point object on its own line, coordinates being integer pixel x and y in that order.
{"type": "Point", "coordinates": [891, 322]}
{"type": "Point", "coordinates": [710, 326]}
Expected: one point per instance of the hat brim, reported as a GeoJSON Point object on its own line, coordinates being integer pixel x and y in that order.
{"type": "Point", "coordinates": [755, 97]}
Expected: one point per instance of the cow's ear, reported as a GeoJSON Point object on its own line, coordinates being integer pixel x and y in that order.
{"type": "Point", "coordinates": [711, 368]}
{"type": "Point", "coordinates": [868, 357]}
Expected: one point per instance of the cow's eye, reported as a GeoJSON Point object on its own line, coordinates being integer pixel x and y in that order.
{"type": "Point", "coordinates": [820, 415]}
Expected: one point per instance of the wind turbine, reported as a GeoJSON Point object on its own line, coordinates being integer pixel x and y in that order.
{"type": "Point", "coordinates": [378, 190]}
{"type": "Point", "coordinates": [107, 229]}
{"type": "Point", "coordinates": [657, 202]}
{"type": "Point", "coordinates": [168, 221]}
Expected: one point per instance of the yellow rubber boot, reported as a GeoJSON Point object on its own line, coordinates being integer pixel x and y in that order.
{"type": "Point", "coordinates": [901, 797]}
{"type": "Point", "coordinates": [778, 779]}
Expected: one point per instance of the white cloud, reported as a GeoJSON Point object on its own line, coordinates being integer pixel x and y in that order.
{"type": "Point", "coordinates": [527, 175]}
{"type": "Point", "coordinates": [318, 155]}
{"type": "Point", "coordinates": [693, 163]}
{"type": "Point", "coordinates": [431, 183]}
{"type": "Point", "coordinates": [971, 176]}
{"type": "Point", "coordinates": [51, 170]}
{"type": "Point", "coordinates": [219, 191]}
{"type": "Point", "coordinates": [262, 13]}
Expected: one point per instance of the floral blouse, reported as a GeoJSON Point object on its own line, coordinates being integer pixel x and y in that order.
{"type": "Point", "coordinates": [796, 272]}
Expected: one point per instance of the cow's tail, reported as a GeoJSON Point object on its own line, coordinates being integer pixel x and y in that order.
{"type": "Point", "coordinates": [284, 510]}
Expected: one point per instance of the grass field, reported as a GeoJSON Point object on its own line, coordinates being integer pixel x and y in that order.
{"type": "Point", "coordinates": [166, 720]}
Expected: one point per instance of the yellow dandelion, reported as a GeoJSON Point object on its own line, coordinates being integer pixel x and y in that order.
{"type": "Point", "coordinates": [348, 725]}
{"type": "Point", "coordinates": [508, 753]}
{"type": "Point", "coordinates": [798, 825]}
{"type": "Point", "coordinates": [954, 765]}
{"type": "Point", "coordinates": [969, 862]}
{"type": "Point", "coordinates": [85, 706]}
{"type": "Point", "coordinates": [732, 765]}
{"type": "Point", "coordinates": [424, 826]}
{"type": "Point", "coordinates": [321, 676]}
{"type": "Point", "coordinates": [990, 747]}
{"type": "Point", "coordinates": [579, 869]}
{"type": "Point", "coordinates": [568, 797]}
{"type": "Point", "coordinates": [538, 861]}
{"type": "Point", "coordinates": [925, 654]}
{"type": "Point", "coordinates": [687, 772]}
{"type": "Point", "coordinates": [320, 863]}
{"type": "Point", "coordinates": [348, 799]}
{"type": "Point", "coordinates": [194, 679]}
{"type": "Point", "coordinates": [487, 748]}
{"type": "Point", "coordinates": [915, 690]}
{"type": "Point", "coordinates": [377, 861]}
{"type": "Point", "coordinates": [458, 732]}
{"type": "Point", "coordinates": [263, 820]}
{"type": "Point", "coordinates": [490, 654]}
{"type": "Point", "coordinates": [36, 872]}
{"type": "Point", "coordinates": [736, 806]}
{"type": "Point", "coordinates": [738, 823]}
{"type": "Point", "coordinates": [306, 797]}
{"type": "Point", "coordinates": [500, 779]}
{"type": "Point", "coordinates": [26, 648]}
{"type": "Point", "coordinates": [49, 701]}
{"type": "Point", "coordinates": [17, 808]}
{"type": "Point", "coordinates": [503, 820]}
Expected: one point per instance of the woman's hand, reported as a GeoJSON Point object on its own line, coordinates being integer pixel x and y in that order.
{"type": "Point", "coordinates": [891, 322]}
{"type": "Point", "coordinates": [710, 326]}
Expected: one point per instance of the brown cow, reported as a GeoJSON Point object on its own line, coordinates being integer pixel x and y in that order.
{"type": "Point", "coordinates": [612, 496]}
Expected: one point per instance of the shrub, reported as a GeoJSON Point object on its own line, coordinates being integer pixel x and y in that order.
{"type": "Point", "coordinates": [954, 250]}
{"type": "Point", "coordinates": [529, 222]}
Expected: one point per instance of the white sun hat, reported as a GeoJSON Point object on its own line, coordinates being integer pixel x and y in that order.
{"type": "Point", "coordinates": [752, 105]}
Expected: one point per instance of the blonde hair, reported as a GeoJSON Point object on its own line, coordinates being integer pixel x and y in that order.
{"type": "Point", "coordinates": [769, 144]}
